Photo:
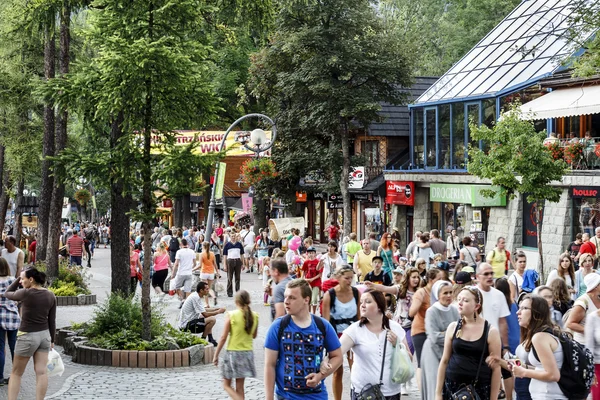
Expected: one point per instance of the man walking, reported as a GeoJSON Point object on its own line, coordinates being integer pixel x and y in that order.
{"type": "Point", "coordinates": [280, 275]}
{"type": "Point", "coordinates": [499, 258]}
{"type": "Point", "coordinates": [75, 247]}
{"type": "Point", "coordinates": [185, 261]}
{"type": "Point", "coordinates": [232, 256]}
{"type": "Point", "coordinates": [363, 260]}
{"type": "Point", "coordinates": [294, 349]}
{"type": "Point", "coordinates": [14, 256]}
{"type": "Point", "coordinates": [438, 246]}
{"type": "Point", "coordinates": [195, 318]}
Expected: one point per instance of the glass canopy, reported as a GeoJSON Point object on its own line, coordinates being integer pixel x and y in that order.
{"type": "Point", "coordinates": [527, 45]}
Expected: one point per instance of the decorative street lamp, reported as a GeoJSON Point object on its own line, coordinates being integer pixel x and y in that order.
{"type": "Point", "coordinates": [256, 141]}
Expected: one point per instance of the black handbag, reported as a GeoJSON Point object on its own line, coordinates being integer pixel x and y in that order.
{"type": "Point", "coordinates": [468, 392]}
{"type": "Point", "coordinates": [370, 391]}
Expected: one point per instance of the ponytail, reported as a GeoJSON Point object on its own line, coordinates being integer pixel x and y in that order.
{"type": "Point", "coordinates": [242, 299]}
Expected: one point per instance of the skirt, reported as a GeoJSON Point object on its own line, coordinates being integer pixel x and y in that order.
{"type": "Point", "coordinates": [238, 364]}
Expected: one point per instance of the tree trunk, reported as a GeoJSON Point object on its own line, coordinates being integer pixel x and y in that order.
{"type": "Point", "coordinates": [260, 213]}
{"type": "Point", "coordinates": [47, 150]}
{"type": "Point", "coordinates": [538, 224]}
{"type": "Point", "coordinates": [18, 214]}
{"type": "Point", "coordinates": [177, 212]}
{"type": "Point", "coordinates": [187, 210]}
{"type": "Point", "coordinates": [4, 198]}
{"type": "Point", "coordinates": [119, 224]}
{"type": "Point", "coordinates": [60, 142]}
{"type": "Point", "coordinates": [347, 226]}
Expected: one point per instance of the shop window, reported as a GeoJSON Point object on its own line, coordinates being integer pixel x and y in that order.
{"type": "Point", "coordinates": [430, 137]}
{"type": "Point", "coordinates": [418, 139]}
{"type": "Point", "coordinates": [370, 151]}
{"type": "Point", "coordinates": [473, 118]}
{"type": "Point", "coordinates": [489, 117]}
{"type": "Point", "coordinates": [458, 136]}
{"type": "Point", "coordinates": [586, 217]}
{"type": "Point", "coordinates": [444, 150]}
{"type": "Point", "coordinates": [530, 231]}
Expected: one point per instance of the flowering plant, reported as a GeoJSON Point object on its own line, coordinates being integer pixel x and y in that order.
{"type": "Point", "coordinates": [255, 170]}
{"type": "Point", "coordinates": [573, 153]}
{"type": "Point", "coordinates": [556, 151]}
{"type": "Point", "coordinates": [597, 149]}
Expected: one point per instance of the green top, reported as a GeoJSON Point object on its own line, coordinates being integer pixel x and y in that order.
{"type": "Point", "coordinates": [351, 249]}
{"type": "Point", "coordinates": [239, 340]}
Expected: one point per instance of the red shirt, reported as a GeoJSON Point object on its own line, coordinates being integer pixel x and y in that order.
{"type": "Point", "coordinates": [333, 232]}
{"type": "Point", "coordinates": [32, 247]}
{"type": "Point", "coordinates": [588, 247]}
{"type": "Point", "coordinates": [75, 244]}
{"type": "Point", "coordinates": [310, 271]}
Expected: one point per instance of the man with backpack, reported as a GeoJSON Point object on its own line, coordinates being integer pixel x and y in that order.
{"type": "Point", "coordinates": [294, 349]}
{"type": "Point", "coordinates": [174, 245]}
{"type": "Point", "coordinates": [499, 258]}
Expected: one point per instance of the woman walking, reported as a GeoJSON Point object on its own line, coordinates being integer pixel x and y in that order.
{"type": "Point", "coordinates": [386, 252]}
{"type": "Point", "coordinates": [134, 267]}
{"type": "Point", "coordinates": [340, 308]}
{"type": "Point", "coordinates": [586, 267]}
{"type": "Point", "coordinates": [565, 271]}
{"type": "Point", "coordinates": [586, 304]}
{"type": "Point", "coordinates": [38, 325]}
{"type": "Point", "coordinates": [241, 327]}
{"type": "Point", "coordinates": [437, 319]}
{"type": "Point", "coordinates": [162, 264]}
{"type": "Point", "coordinates": [467, 342]}
{"type": "Point", "coordinates": [9, 318]}
{"type": "Point", "coordinates": [330, 261]}
{"type": "Point", "coordinates": [207, 267]}
{"type": "Point", "coordinates": [592, 342]}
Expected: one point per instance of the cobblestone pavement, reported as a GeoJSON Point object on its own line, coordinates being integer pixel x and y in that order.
{"type": "Point", "coordinates": [99, 383]}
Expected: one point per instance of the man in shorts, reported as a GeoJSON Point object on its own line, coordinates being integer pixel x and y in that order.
{"type": "Point", "coordinates": [195, 318]}
{"type": "Point", "coordinates": [185, 261]}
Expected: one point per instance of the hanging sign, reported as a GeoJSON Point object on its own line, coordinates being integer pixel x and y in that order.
{"type": "Point", "coordinates": [400, 192]}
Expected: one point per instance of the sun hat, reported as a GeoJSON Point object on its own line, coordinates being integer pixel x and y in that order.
{"type": "Point", "coordinates": [591, 281]}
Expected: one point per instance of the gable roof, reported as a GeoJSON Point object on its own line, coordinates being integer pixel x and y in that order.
{"type": "Point", "coordinates": [526, 46]}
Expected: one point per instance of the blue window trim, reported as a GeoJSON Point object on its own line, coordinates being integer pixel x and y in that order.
{"type": "Point", "coordinates": [451, 135]}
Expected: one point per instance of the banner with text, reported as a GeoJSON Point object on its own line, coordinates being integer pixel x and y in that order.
{"type": "Point", "coordinates": [400, 192]}
{"type": "Point", "coordinates": [220, 172]}
{"type": "Point", "coordinates": [209, 142]}
{"type": "Point", "coordinates": [466, 194]}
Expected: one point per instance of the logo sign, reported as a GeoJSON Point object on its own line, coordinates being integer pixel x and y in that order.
{"type": "Point", "coordinates": [585, 191]}
{"type": "Point", "coordinates": [334, 206]}
{"type": "Point", "coordinates": [400, 192]}
{"type": "Point", "coordinates": [335, 198]}
{"type": "Point", "coordinates": [466, 194]}
{"type": "Point", "coordinates": [357, 178]}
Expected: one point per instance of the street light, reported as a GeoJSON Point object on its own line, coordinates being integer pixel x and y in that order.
{"type": "Point", "coordinates": [258, 138]}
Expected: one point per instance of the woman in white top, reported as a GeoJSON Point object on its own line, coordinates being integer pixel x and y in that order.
{"type": "Point", "coordinates": [584, 305]}
{"type": "Point", "coordinates": [516, 279]}
{"type": "Point", "coordinates": [330, 261]}
{"type": "Point", "coordinates": [366, 338]}
{"type": "Point", "coordinates": [565, 271]}
{"type": "Point", "coordinates": [592, 342]}
{"type": "Point", "coordinates": [468, 253]}
{"type": "Point", "coordinates": [586, 266]}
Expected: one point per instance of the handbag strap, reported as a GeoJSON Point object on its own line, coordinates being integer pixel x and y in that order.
{"type": "Point", "coordinates": [486, 329]}
{"type": "Point", "coordinates": [471, 255]}
{"type": "Point", "coordinates": [383, 358]}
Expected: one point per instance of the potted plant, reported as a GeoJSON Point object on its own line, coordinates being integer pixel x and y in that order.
{"type": "Point", "coordinates": [573, 153]}
{"type": "Point", "coordinates": [555, 150]}
{"type": "Point", "coordinates": [255, 170]}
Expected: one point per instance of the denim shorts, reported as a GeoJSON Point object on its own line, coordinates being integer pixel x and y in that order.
{"type": "Point", "coordinates": [29, 343]}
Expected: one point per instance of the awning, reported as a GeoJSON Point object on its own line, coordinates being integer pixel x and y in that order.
{"type": "Point", "coordinates": [564, 103]}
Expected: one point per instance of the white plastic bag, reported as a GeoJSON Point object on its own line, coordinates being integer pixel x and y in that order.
{"type": "Point", "coordinates": [402, 366]}
{"type": "Point", "coordinates": [172, 287]}
{"type": "Point", "coordinates": [55, 364]}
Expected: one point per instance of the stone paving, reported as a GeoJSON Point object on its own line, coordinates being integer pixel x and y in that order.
{"type": "Point", "coordinates": [99, 383]}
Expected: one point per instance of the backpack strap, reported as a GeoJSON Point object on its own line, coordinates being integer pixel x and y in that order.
{"type": "Point", "coordinates": [332, 297]}
{"type": "Point", "coordinates": [285, 322]}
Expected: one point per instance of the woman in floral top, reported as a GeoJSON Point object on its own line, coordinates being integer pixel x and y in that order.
{"type": "Point", "coordinates": [9, 318]}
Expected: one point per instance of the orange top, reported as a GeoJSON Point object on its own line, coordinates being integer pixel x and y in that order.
{"type": "Point", "coordinates": [418, 324]}
{"type": "Point", "coordinates": [208, 266]}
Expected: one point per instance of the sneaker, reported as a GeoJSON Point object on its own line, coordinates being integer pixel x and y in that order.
{"type": "Point", "coordinates": [267, 304]}
{"type": "Point", "coordinates": [259, 277]}
{"type": "Point", "coordinates": [213, 342]}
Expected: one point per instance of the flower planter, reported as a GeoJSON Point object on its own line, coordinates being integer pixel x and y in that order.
{"type": "Point", "coordinates": [80, 300]}
{"type": "Point", "coordinates": [75, 346]}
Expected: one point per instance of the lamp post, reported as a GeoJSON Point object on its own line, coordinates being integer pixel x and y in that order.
{"type": "Point", "coordinates": [260, 143]}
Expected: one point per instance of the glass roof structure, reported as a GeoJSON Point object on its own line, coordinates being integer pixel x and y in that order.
{"type": "Point", "coordinates": [527, 45]}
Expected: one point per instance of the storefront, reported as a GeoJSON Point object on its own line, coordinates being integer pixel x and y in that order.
{"type": "Point", "coordinates": [586, 209]}
{"type": "Point", "coordinates": [400, 197]}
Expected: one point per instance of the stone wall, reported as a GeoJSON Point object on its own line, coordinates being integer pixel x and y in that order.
{"type": "Point", "coordinates": [506, 222]}
{"type": "Point", "coordinates": [422, 210]}
{"type": "Point", "coordinates": [556, 230]}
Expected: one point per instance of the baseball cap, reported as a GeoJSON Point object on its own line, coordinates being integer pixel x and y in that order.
{"type": "Point", "coordinates": [470, 270]}
{"type": "Point", "coordinates": [378, 258]}
{"type": "Point", "coordinates": [462, 277]}
{"type": "Point", "coordinates": [398, 271]}
{"type": "Point", "coordinates": [311, 249]}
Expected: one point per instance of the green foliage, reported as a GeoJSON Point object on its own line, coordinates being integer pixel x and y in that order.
{"type": "Point", "coordinates": [61, 288]}
{"type": "Point", "coordinates": [83, 196]}
{"type": "Point", "coordinates": [72, 279]}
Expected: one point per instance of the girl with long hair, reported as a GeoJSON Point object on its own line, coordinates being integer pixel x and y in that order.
{"type": "Point", "coordinates": [162, 265]}
{"type": "Point", "coordinates": [386, 252]}
{"type": "Point", "coordinates": [464, 343]}
{"type": "Point", "coordinates": [586, 267]}
{"type": "Point", "coordinates": [562, 297]}
{"type": "Point", "coordinates": [241, 327]}
{"type": "Point", "coordinates": [208, 268]}
{"type": "Point", "coordinates": [565, 271]}
{"type": "Point", "coordinates": [262, 248]}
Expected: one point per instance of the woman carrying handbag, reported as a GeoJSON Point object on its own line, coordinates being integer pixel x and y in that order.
{"type": "Point", "coordinates": [462, 373]}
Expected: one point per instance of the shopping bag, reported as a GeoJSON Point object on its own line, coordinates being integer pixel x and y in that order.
{"type": "Point", "coordinates": [172, 288]}
{"type": "Point", "coordinates": [55, 364]}
{"type": "Point", "coordinates": [402, 367]}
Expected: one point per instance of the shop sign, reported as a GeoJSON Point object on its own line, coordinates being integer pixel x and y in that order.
{"type": "Point", "coordinates": [357, 178]}
{"type": "Point", "coordinates": [359, 196]}
{"type": "Point", "coordinates": [400, 192]}
{"type": "Point", "coordinates": [247, 202]}
{"type": "Point", "coordinates": [301, 197]}
{"type": "Point", "coordinates": [585, 191]}
{"type": "Point", "coordinates": [335, 198]}
{"type": "Point", "coordinates": [334, 206]}
{"type": "Point", "coordinates": [466, 194]}
{"type": "Point", "coordinates": [167, 203]}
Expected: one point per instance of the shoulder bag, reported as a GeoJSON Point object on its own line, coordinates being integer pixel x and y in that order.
{"type": "Point", "coordinates": [370, 391]}
{"type": "Point", "coordinates": [468, 392]}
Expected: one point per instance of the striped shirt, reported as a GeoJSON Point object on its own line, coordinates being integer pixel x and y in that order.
{"type": "Point", "coordinates": [75, 244]}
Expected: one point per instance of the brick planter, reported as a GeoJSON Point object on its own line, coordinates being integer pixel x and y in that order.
{"type": "Point", "coordinates": [81, 300]}
{"type": "Point", "coordinates": [75, 346]}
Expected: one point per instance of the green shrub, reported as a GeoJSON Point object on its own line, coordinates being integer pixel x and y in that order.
{"type": "Point", "coordinates": [64, 289]}
{"type": "Point", "coordinates": [69, 276]}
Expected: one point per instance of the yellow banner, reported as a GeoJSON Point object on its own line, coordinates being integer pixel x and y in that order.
{"type": "Point", "coordinates": [220, 182]}
{"type": "Point", "coordinates": [209, 142]}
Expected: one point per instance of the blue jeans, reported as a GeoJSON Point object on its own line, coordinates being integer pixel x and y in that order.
{"type": "Point", "coordinates": [522, 388]}
{"type": "Point", "coordinates": [12, 340]}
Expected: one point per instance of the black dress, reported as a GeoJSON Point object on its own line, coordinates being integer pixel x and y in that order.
{"type": "Point", "coordinates": [463, 364]}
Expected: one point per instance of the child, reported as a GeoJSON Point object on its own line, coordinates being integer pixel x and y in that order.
{"type": "Point", "coordinates": [241, 326]}
{"type": "Point", "coordinates": [313, 276]}
{"type": "Point", "coordinates": [266, 274]}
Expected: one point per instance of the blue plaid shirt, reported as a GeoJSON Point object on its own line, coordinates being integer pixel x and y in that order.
{"type": "Point", "coordinates": [9, 313]}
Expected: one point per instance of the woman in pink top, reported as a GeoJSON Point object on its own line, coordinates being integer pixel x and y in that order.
{"type": "Point", "coordinates": [134, 266]}
{"type": "Point", "coordinates": [207, 266]}
{"type": "Point", "coordinates": [162, 265]}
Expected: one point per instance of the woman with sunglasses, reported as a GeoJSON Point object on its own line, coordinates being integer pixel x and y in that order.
{"type": "Point", "coordinates": [386, 252]}
{"type": "Point", "coordinates": [464, 344]}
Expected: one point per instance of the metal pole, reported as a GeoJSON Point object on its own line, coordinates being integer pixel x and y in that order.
{"type": "Point", "coordinates": [213, 203]}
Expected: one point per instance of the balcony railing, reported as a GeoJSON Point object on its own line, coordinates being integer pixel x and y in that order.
{"type": "Point", "coordinates": [372, 173]}
{"type": "Point", "coordinates": [579, 154]}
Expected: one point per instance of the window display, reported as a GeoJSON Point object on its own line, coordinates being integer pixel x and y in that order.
{"type": "Point", "coordinates": [586, 209]}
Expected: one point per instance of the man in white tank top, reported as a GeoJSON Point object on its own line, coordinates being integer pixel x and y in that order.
{"type": "Point", "coordinates": [13, 256]}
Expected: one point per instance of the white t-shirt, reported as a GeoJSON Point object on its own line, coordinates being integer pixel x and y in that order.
{"type": "Point", "coordinates": [554, 275]}
{"type": "Point", "coordinates": [186, 259]}
{"type": "Point", "coordinates": [516, 280]}
{"type": "Point", "coordinates": [494, 306]}
{"type": "Point", "coordinates": [192, 308]}
{"type": "Point", "coordinates": [327, 263]}
{"type": "Point", "coordinates": [249, 239]}
{"type": "Point", "coordinates": [368, 351]}
{"type": "Point", "coordinates": [12, 259]}
{"type": "Point", "coordinates": [588, 305]}
{"type": "Point", "coordinates": [470, 254]}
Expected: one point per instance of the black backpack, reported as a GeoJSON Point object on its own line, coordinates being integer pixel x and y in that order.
{"type": "Point", "coordinates": [89, 234]}
{"type": "Point", "coordinates": [577, 371]}
{"type": "Point", "coordinates": [333, 321]}
{"type": "Point", "coordinates": [173, 244]}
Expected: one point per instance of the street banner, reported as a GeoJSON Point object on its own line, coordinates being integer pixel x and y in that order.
{"type": "Point", "coordinates": [220, 180]}
{"type": "Point", "coordinates": [246, 203]}
{"type": "Point", "coordinates": [281, 227]}
{"type": "Point", "coordinates": [209, 142]}
{"type": "Point", "coordinates": [94, 201]}
{"type": "Point", "coordinates": [400, 192]}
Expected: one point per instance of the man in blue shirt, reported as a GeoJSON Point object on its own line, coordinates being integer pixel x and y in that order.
{"type": "Point", "coordinates": [292, 361]}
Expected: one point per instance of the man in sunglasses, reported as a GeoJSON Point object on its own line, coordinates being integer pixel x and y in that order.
{"type": "Point", "coordinates": [495, 311]}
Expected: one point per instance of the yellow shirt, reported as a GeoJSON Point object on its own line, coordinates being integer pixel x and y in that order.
{"type": "Point", "coordinates": [365, 263]}
{"type": "Point", "coordinates": [497, 259]}
{"type": "Point", "coordinates": [239, 339]}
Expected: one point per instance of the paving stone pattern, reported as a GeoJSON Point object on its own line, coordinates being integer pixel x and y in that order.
{"type": "Point", "coordinates": [81, 382]}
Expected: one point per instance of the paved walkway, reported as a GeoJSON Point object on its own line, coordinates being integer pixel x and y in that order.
{"type": "Point", "coordinates": [105, 383]}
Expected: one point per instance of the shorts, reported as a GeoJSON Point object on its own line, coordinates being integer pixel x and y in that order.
{"type": "Point", "coordinates": [238, 364]}
{"type": "Point", "coordinates": [183, 281]}
{"type": "Point", "coordinates": [76, 260]}
{"type": "Point", "coordinates": [207, 277]}
{"type": "Point", "coordinates": [316, 296]}
{"type": "Point", "coordinates": [505, 373]}
{"type": "Point", "coordinates": [29, 343]}
{"type": "Point", "coordinates": [195, 326]}
{"type": "Point", "coordinates": [248, 251]}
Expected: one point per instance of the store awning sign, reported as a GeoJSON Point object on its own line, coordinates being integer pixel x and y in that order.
{"type": "Point", "coordinates": [400, 192]}
{"type": "Point", "coordinates": [578, 192]}
{"type": "Point", "coordinates": [465, 194]}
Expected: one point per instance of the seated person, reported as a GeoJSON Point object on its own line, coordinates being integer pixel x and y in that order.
{"type": "Point", "coordinates": [195, 318]}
